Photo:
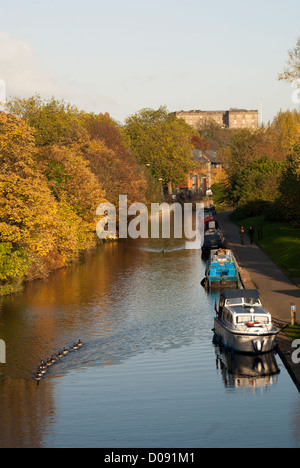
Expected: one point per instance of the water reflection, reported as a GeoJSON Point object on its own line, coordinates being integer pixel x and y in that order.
{"type": "Point", "coordinates": [128, 301]}
{"type": "Point", "coordinates": [247, 371]}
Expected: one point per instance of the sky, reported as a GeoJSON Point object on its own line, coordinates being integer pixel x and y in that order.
{"type": "Point", "coordinates": [121, 56]}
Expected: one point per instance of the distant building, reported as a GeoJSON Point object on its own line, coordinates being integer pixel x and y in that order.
{"type": "Point", "coordinates": [233, 118]}
{"type": "Point", "coordinates": [202, 178]}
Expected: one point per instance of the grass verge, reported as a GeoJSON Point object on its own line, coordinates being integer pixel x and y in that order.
{"type": "Point", "coordinates": [293, 332]}
{"type": "Point", "coordinates": [281, 241]}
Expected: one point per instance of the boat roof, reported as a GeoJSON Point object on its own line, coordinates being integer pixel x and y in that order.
{"type": "Point", "coordinates": [236, 293]}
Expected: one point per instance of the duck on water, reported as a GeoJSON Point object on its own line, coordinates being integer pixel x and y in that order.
{"type": "Point", "coordinates": [44, 365]}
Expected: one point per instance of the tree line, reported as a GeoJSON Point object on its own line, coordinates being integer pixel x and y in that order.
{"type": "Point", "coordinates": [57, 164]}
{"type": "Point", "coordinates": [261, 168]}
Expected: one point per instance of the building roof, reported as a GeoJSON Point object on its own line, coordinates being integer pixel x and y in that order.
{"type": "Point", "coordinates": [212, 156]}
{"type": "Point", "coordinates": [207, 156]}
{"type": "Point", "coordinates": [198, 156]}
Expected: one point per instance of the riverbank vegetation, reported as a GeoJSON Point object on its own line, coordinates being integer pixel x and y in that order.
{"type": "Point", "coordinates": [262, 170]}
{"type": "Point", "coordinates": [293, 331]}
{"type": "Point", "coordinates": [57, 165]}
{"type": "Point", "coordinates": [261, 183]}
{"type": "Point", "coordinates": [262, 166]}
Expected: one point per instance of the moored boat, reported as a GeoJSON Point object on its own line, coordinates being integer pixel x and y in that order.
{"type": "Point", "coordinates": [213, 239]}
{"type": "Point", "coordinates": [222, 270]}
{"type": "Point", "coordinates": [242, 324]}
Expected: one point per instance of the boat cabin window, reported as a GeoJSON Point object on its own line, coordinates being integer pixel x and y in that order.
{"type": "Point", "coordinates": [261, 319]}
{"type": "Point", "coordinates": [243, 318]}
{"type": "Point", "coordinates": [228, 317]}
{"type": "Point", "coordinates": [234, 301]}
{"type": "Point", "coordinates": [251, 301]}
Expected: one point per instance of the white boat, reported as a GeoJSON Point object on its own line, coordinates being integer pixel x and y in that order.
{"type": "Point", "coordinates": [242, 324]}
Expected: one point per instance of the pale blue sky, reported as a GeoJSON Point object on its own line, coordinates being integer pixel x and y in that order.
{"type": "Point", "coordinates": [121, 56]}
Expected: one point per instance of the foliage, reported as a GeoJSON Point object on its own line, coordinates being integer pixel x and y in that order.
{"type": "Point", "coordinates": [114, 165]}
{"type": "Point", "coordinates": [285, 131]}
{"type": "Point", "coordinates": [257, 181]}
{"type": "Point", "coordinates": [17, 148]}
{"type": "Point", "coordinates": [14, 264]}
{"type": "Point", "coordinates": [293, 332]}
{"type": "Point", "coordinates": [261, 169]}
{"type": "Point", "coordinates": [290, 187]}
{"type": "Point", "coordinates": [54, 121]}
{"type": "Point", "coordinates": [57, 164]}
{"type": "Point", "coordinates": [215, 136]}
{"type": "Point", "coordinates": [163, 143]}
{"type": "Point", "coordinates": [291, 73]}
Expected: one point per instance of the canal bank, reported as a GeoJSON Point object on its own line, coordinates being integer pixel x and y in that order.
{"type": "Point", "coordinates": [277, 290]}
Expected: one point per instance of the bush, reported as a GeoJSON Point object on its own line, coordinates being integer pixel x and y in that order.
{"type": "Point", "coordinates": [252, 208]}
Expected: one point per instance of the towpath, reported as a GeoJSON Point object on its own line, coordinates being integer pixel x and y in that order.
{"type": "Point", "coordinates": [277, 290]}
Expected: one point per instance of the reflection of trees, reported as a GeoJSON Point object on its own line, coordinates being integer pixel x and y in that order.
{"type": "Point", "coordinates": [25, 411]}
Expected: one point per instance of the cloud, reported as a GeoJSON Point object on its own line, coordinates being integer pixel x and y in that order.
{"type": "Point", "coordinates": [22, 75]}
{"type": "Point", "coordinates": [21, 70]}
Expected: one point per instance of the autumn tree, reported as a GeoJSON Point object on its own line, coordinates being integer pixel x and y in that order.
{"type": "Point", "coordinates": [54, 121]}
{"type": "Point", "coordinates": [163, 143]}
{"type": "Point", "coordinates": [112, 161]}
{"type": "Point", "coordinates": [285, 131]}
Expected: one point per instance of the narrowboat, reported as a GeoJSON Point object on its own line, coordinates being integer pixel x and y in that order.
{"type": "Point", "coordinates": [242, 324]}
{"type": "Point", "coordinates": [222, 270]}
{"type": "Point", "coordinates": [213, 239]}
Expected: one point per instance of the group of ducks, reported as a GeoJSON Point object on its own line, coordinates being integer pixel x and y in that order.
{"type": "Point", "coordinates": [42, 369]}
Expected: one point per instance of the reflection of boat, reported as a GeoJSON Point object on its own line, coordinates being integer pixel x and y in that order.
{"type": "Point", "coordinates": [246, 371]}
{"type": "Point", "coordinates": [222, 270]}
{"type": "Point", "coordinates": [243, 324]}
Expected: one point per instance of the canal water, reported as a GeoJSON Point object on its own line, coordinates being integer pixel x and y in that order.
{"type": "Point", "coordinates": [148, 375]}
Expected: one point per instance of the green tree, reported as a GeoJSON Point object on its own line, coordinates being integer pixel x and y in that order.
{"type": "Point", "coordinates": [290, 187]}
{"type": "Point", "coordinates": [54, 121]}
{"type": "Point", "coordinates": [163, 143]}
{"type": "Point", "coordinates": [258, 181]}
